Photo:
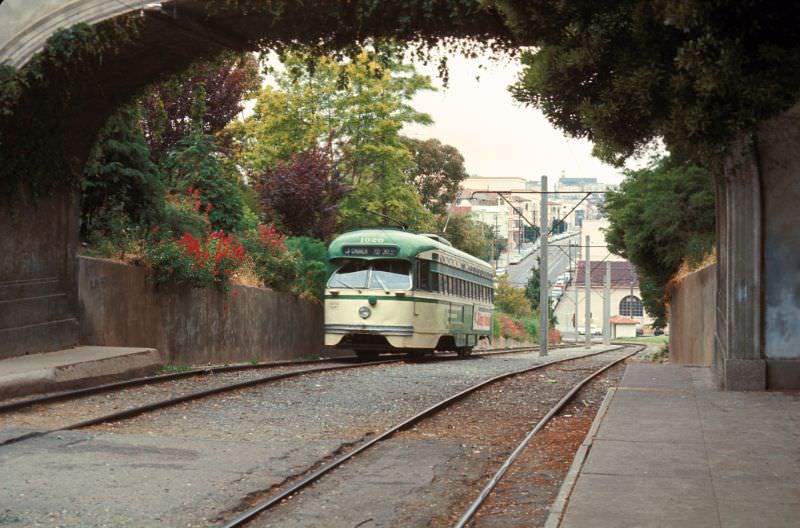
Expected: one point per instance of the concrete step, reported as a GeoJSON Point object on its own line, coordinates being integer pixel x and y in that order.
{"type": "Point", "coordinates": [74, 368]}
{"type": "Point", "coordinates": [33, 310]}
{"type": "Point", "coordinates": [22, 289]}
{"type": "Point", "coordinates": [41, 337]}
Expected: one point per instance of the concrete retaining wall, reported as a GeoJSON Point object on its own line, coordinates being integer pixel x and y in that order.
{"type": "Point", "coordinates": [692, 318]}
{"type": "Point", "coordinates": [121, 307]}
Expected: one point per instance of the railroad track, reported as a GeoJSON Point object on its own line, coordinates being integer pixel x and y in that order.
{"type": "Point", "coordinates": [324, 467]}
{"type": "Point", "coordinates": [350, 363]}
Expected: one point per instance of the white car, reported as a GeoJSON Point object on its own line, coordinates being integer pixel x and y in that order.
{"type": "Point", "coordinates": [515, 258]}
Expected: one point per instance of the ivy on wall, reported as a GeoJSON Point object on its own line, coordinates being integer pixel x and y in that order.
{"type": "Point", "coordinates": [36, 143]}
{"type": "Point", "coordinates": [35, 99]}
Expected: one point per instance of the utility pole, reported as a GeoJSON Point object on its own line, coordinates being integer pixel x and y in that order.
{"type": "Point", "coordinates": [544, 293]}
{"type": "Point", "coordinates": [494, 240]}
{"type": "Point", "coordinates": [587, 276]}
{"type": "Point", "coordinates": [607, 306]}
{"type": "Point", "coordinates": [575, 281]}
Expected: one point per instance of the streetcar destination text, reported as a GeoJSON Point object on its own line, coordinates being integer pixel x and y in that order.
{"type": "Point", "coordinates": [370, 251]}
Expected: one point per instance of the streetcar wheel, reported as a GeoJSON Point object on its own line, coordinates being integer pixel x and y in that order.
{"type": "Point", "coordinates": [419, 353]}
{"type": "Point", "coordinates": [464, 352]}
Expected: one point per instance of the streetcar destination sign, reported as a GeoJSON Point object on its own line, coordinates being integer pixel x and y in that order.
{"type": "Point", "coordinates": [370, 251]}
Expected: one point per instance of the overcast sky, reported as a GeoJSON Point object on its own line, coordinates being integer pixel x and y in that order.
{"type": "Point", "coordinates": [497, 136]}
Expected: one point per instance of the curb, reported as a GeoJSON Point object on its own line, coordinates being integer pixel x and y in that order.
{"type": "Point", "coordinates": [560, 503]}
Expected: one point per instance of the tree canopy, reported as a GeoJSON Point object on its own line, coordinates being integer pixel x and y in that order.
{"type": "Point", "coordinates": [437, 172]}
{"type": "Point", "coordinates": [691, 72]}
{"type": "Point", "coordinates": [352, 110]}
{"type": "Point", "coordinates": [661, 217]}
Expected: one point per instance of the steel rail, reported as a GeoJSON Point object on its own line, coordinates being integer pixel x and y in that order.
{"type": "Point", "coordinates": [169, 402]}
{"type": "Point", "coordinates": [479, 500]}
{"type": "Point", "coordinates": [172, 376]}
{"type": "Point", "coordinates": [160, 378]}
{"type": "Point", "coordinates": [259, 508]}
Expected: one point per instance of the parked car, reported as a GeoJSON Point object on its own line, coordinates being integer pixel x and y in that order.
{"type": "Point", "coordinates": [514, 258]}
{"type": "Point", "coordinates": [593, 330]}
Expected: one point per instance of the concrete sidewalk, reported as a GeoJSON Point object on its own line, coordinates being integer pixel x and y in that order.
{"type": "Point", "coordinates": [74, 368]}
{"type": "Point", "coordinates": [671, 450]}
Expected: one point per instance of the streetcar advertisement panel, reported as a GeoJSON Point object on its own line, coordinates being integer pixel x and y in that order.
{"type": "Point", "coordinates": [482, 318]}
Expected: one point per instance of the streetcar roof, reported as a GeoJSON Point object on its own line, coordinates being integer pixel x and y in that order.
{"type": "Point", "coordinates": [408, 245]}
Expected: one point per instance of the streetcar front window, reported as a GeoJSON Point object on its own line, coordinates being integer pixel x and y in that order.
{"type": "Point", "coordinates": [391, 275]}
{"type": "Point", "coordinates": [353, 274]}
{"type": "Point", "coordinates": [362, 274]}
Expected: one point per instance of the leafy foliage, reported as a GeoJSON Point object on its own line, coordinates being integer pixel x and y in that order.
{"type": "Point", "coordinates": [202, 100]}
{"type": "Point", "coordinates": [437, 172]}
{"type": "Point", "coordinates": [511, 300]}
{"type": "Point", "coordinates": [312, 267]}
{"type": "Point", "coordinates": [470, 236]}
{"type": "Point", "coordinates": [303, 194]}
{"type": "Point", "coordinates": [662, 216]}
{"type": "Point", "coordinates": [121, 186]}
{"type": "Point", "coordinates": [196, 262]}
{"type": "Point", "coordinates": [274, 265]}
{"type": "Point", "coordinates": [352, 111]}
{"type": "Point", "coordinates": [692, 72]}
{"type": "Point", "coordinates": [196, 163]}
{"type": "Point", "coordinates": [532, 289]}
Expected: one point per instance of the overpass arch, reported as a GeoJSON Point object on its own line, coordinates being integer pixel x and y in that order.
{"type": "Point", "coordinates": [130, 44]}
{"type": "Point", "coordinates": [66, 66]}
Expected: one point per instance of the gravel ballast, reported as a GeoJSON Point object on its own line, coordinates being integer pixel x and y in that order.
{"type": "Point", "coordinates": [192, 464]}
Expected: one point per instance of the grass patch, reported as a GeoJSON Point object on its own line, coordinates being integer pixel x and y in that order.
{"type": "Point", "coordinates": [172, 369]}
{"type": "Point", "coordinates": [649, 340]}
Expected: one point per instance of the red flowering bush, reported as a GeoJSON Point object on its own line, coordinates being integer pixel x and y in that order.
{"type": "Point", "coordinates": [184, 213]}
{"type": "Point", "coordinates": [506, 326]}
{"type": "Point", "coordinates": [197, 261]}
{"type": "Point", "coordinates": [273, 264]}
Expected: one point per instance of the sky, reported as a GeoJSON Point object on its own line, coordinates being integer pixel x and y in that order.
{"type": "Point", "coordinates": [497, 136]}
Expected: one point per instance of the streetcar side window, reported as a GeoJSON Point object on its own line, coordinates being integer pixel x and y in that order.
{"type": "Point", "coordinates": [435, 282]}
{"type": "Point", "coordinates": [423, 275]}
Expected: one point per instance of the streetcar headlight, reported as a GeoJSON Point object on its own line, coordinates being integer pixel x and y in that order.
{"type": "Point", "coordinates": [364, 312]}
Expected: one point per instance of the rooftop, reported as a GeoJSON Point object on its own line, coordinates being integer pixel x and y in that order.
{"type": "Point", "coordinates": [623, 274]}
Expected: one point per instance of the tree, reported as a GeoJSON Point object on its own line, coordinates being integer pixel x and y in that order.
{"type": "Point", "coordinates": [437, 172]}
{"type": "Point", "coordinates": [354, 110]}
{"type": "Point", "coordinates": [389, 201]}
{"type": "Point", "coordinates": [470, 236]}
{"type": "Point", "coordinates": [661, 217]}
{"type": "Point", "coordinates": [693, 73]}
{"type": "Point", "coordinates": [195, 163]}
{"type": "Point", "coordinates": [511, 300]}
{"type": "Point", "coordinates": [202, 100]}
{"type": "Point", "coordinates": [532, 294]}
{"type": "Point", "coordinates": [532, 288]}
{"type": "Point", "coordinates": [121, 186]}
{"type": "Point", "coordinates": [303, 195]}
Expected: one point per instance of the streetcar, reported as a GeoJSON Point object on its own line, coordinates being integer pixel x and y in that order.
{"type": "Point", "coordinates": [395, 291]}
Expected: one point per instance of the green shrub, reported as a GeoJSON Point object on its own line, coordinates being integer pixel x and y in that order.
{"type": "Point", "coordinates": [312, 266]}
{"type": "Point", "coordinates": [273, 264]}
{"type": "Point", "coordinates": [198, 262]}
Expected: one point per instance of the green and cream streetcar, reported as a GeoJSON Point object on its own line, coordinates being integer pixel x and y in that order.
{"type": "Point", "coordinates": [391, 290]}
